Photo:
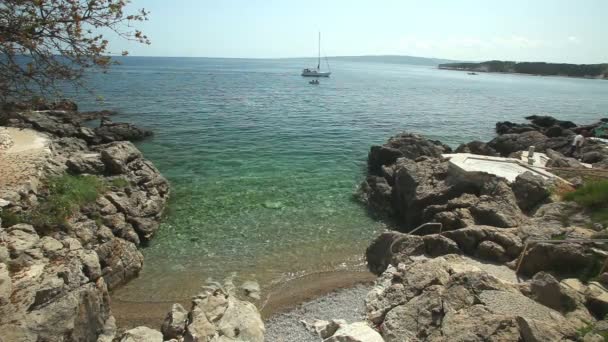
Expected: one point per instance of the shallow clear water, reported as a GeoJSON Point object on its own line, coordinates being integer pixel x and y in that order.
{"type": "Point", "coordinates": [263, 165]}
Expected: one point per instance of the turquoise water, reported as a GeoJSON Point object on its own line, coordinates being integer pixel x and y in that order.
{"type": "Point", "coordinates": [263, 165]}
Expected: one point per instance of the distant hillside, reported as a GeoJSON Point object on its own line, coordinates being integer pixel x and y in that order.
{"type": "Point", "coordinates": [394, 59]}
{"type": "Point", "coordinates": [534, 68]}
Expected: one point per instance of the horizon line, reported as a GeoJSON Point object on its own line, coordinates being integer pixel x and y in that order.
{"type": "Point", "coordinates": [359, 56]}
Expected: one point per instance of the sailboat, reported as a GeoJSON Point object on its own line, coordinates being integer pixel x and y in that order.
{"type": "Point", "coordinates": [317, 72]}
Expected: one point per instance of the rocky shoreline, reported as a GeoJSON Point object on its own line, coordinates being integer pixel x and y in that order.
{"type": "Point", "coordinates": [441, 285]}
{"type": "Point", "coordinates": [499, 258]}
{"type": "Point", "coordinates": [55, 278]}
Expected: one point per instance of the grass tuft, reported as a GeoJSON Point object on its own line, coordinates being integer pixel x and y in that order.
{"type": "Point", "coordinates": [66, 195]}
{"type": "Point", "coordinates": [593, 196]}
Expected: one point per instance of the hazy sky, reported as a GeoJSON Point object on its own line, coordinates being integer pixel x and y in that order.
{"type": "Point", "coordinates": [531, 30]}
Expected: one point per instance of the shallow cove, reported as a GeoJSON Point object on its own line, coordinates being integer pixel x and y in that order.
{"type": "Point", "coordinates": [263, 165]}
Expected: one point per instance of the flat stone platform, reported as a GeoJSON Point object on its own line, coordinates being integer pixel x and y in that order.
{"type": "Point", "coordinates": [508, 168]}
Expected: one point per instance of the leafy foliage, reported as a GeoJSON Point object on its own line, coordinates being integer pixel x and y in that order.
{"type": "Point", "coordinates": [46, 41]}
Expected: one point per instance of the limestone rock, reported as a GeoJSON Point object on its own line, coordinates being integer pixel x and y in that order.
{"type": "Point", "coordinates": [467, 303]}
{"type": "Point", "coordinates": [546, 290]}
{"type": "Point", "coordinates": [142, 334]}
{"type": "Point", "coordinates": [530, 190]}
{"type": "Point", "coordinates": [174, 324]}
{"type": "Point", "coordinates": [355, 332]}
{"type": "Point", "coordinates": [508, 143]}
{"type": "Point", "coordinates": [110, 131]}
{"type": "Point", "coordinates": [559, 160]}
{"type": "Point", "coordinates": [376, 193]}
{"type": "Point", "coordinates": [218, 315]}
{"type": "Point", "coordinates": [489, 250]}
{"type": "Point", "coordinates": [597, 299]}
{"type": "Point", "coordinates": [477, 147]}
{"type": "Point", "coordinates": [86, 163]}
{"type": "Point", "coordinates": [405, 145]}
{"type": "Point", "coordinates": [567, 259]}
{"type": "Point", "coordinates": [121, 259]}
{"type": "Point", "coordinates": [117, 155]}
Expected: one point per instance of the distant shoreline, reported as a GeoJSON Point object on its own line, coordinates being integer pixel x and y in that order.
{"type": "Point", "coordinates": [520, 73]}
{"type": "Point", "coordinates": [588, 71]}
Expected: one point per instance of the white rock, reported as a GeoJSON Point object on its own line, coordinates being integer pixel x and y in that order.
{"type": "Point", "coordinates": [6, 286]}
{"type": "Point", "coordinates": [142, 334]}
{"type": "Point", "coordinates": [355, 332]}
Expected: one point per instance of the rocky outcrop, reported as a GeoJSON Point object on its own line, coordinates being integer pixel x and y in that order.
{"type": "Point", "coordinates": [55, 277]}
{"type": "Point", "coordinates": [109, 131]}
{"type": "Point", "coordinates": [455, 298]}
{"type": "Point", "coordinates": [405, 145]}
{"type": "Point", "coordinates": [477, 147]}
{"type": "Point", "coordinates": [340, 331]}
{"type": "Point", "coordinates": [52, 289]}
{"type": "Point", "coordinates": [530, 191]}
{"type": "Point", "coordinates": [216, 315]}
{"type": "Point", "coordinates": [423, 190]}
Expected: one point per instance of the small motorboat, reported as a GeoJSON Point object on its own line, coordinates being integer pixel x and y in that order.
{"type": "Point", "coordinates": [314, 82]}
{"type": "Point", "coordinates": [472, 73]}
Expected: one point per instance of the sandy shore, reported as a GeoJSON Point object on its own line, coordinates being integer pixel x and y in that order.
{"type": "Point", "coordinates": [24, 159]}
{"type": "Point", "coordinates": [281, 299]}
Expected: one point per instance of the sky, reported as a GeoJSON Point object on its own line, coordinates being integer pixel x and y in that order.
{"type": "Point", "coordinates": [472, 30]}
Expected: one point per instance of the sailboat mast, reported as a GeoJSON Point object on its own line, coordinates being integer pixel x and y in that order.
{"type": "Point", "coordinates": [319, 60]}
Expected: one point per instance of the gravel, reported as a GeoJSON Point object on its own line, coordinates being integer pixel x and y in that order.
{"type": "Point", "coordinates": [347, 304]}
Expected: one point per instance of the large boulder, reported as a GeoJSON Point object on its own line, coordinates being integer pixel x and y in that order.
{"type": "Point", "coordinates": [55, 289]}
{"type": "Point", "coordinates": [89, 163]}
{"type": "Point", "coordinates": [376, 193]}
{"type": "Point", "coordinates": [454, 298]}
{"type": "Point", "coordinates": [116, 156]}
{"type": "Point", "coordinates": [405, 145]}
{"type": "Point", "coordinates": [120, 260]}
{"type": "Point", "coordinates": [530, 191]}
{"type": "Point", "coordinates": [507, 127]}
{"type": "Point", "coordinates": [565, 259]}
{"type": "Point", "coordinates": [110, 131]}
{"type": "Point", "coordinates": [477, 147]}
{"type": "Point", "coordinates": [218, 312]}
{"type": "Point", "coordinates": [545, 289]}
{"type": "Point", "coordinates": [422, 183]}
{"type": "Point", "coordinates": [549, 121]}
{"type": "Point", "coordinates": [508, 143]}
{"type": "Point", "coordinates": [557, 159]}
{"type": "Point", "coordinates": [355, 332]}
{"type": "Point", "coordinates": [174, 324]}
{"type": "Point", "coordinates": [142, 334]}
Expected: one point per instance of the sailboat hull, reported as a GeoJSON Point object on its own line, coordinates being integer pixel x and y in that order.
{"type": "Point", "coordinates": [314, 73]}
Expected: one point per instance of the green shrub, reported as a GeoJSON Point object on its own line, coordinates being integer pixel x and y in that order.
{"type": "Point", "coordinates": [66, 194]}
{"type": "Point", "coordinates": [9, 218]}
{"type": "Point", "coordinates": [591, 195]}
{"type": "Point", "coordinates": [594, 196]}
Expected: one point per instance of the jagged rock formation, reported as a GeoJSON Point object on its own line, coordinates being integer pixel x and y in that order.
{"type": "Point", "coordinates": [54, 278]}
{"type": "Point", "coordinates": [217, 315]}
{"type": "Point", "coordinates": [449, 286]}
{"type": "Point", "coordinates": [51, 289]}
{"type": "Point", "coordinates": [454, 298]}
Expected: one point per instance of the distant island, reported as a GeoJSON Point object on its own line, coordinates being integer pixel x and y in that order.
{"type": "Point", "coordinates": [534, 68]}
{"type": "Point", "coordinates": [393, 59]}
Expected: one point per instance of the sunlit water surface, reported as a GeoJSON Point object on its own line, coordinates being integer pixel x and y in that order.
{"type": "Point", "coordinates": [263, 165]}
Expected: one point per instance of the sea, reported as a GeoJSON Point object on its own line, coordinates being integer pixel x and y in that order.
{"type": "Point", "coordinates": [263, 165]}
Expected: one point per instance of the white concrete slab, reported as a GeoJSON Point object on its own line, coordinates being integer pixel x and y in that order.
{"type": "Point", "coordinates": [508, 168]}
